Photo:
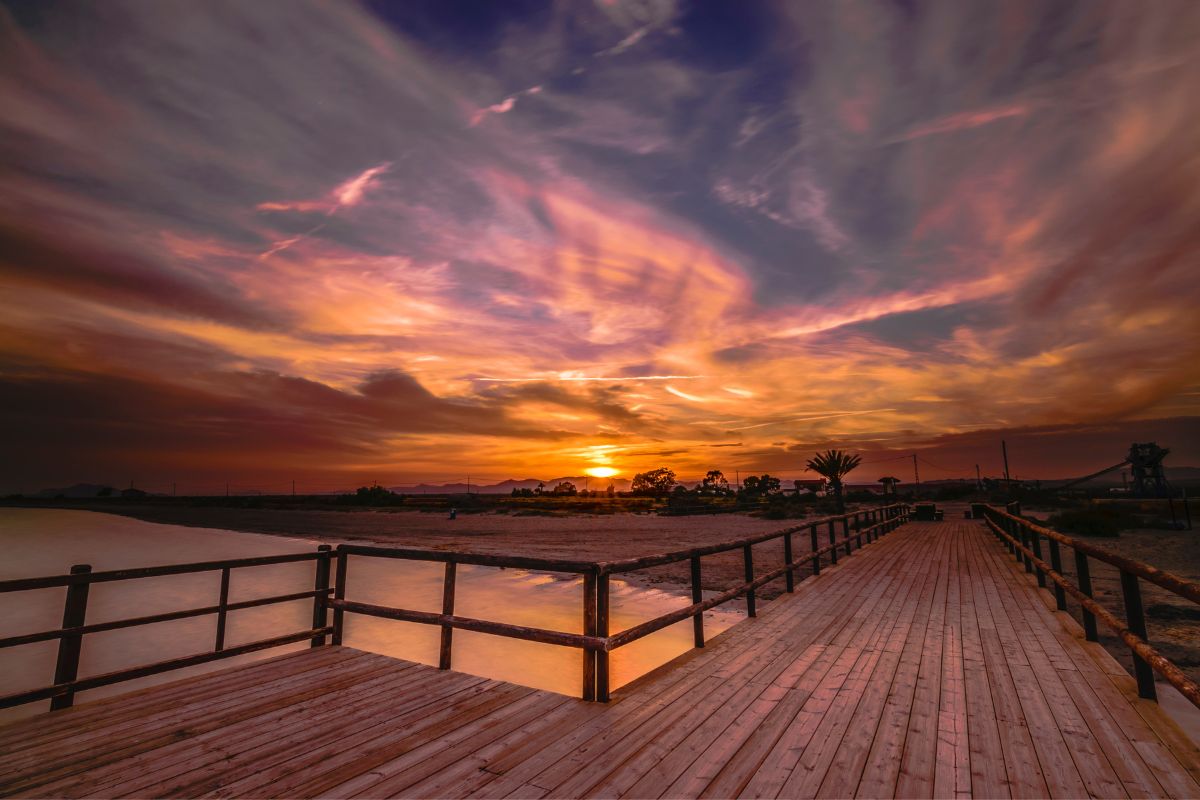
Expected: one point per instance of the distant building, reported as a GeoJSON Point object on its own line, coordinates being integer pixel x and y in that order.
{"type": "Point", "coordinates": [810, 485]}
{"type": "Point", "coordinates": [131, 493]}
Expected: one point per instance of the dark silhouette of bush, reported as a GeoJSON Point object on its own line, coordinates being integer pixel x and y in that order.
{"type": "Point", "coordinates": [1091, 521]}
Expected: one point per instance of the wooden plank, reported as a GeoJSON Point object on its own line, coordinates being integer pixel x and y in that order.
{"type": "Point", "coordinates": [849, 760]}
{"type": "Point", "coordinates": [989, 777]}
{"type": "Point", "coordinates": [642, 751]}
{"type": "Point", "coordinates": [71, 758]}
{"type": "Point", "coordinates": [169, 770]}
{"type": "Point", "coordinates": [30, 732]}
{"type": "Point", "coordinates": [667, 686]}
{"type": "Point", "coordinates": [73, 772]}
{"type": "Point", "coordinates": [878, 663]}
{"type": "Point", "coordinates": [926, 664]}
{"type": "Point", "coordinates": [881, 770]}
{"type": "Point", "coordinates": [762, 766]}
{"type": "Point", "coordinates": [1049, 707]}
{"type": "Point", "coordinates": [94, 733]}
{"type": "Point", "coordinates": [1138, 757]}
{"type": "Point", "coordinates": [395, 738]}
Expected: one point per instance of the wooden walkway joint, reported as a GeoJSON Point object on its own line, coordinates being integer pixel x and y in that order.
{"type": "Point", "coordinates": [927, 665]}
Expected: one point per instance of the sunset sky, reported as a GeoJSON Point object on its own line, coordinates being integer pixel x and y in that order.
{"type": "Point", "coordinates": [338, 242]}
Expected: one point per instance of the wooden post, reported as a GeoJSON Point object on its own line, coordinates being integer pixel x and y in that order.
{"type": "Point", "coordinates": [448, 609]}
{"type": "Point", "coordinates": [1135, 618]}
{"type": "Point", "coordinates": [816, 559]}
{"type": "Point", "coordinates": [858, 527]}
{"type": "Point", "coordinates": [1060, 596]}
{"type": "Point", "coordinates": [846, 533]}
{"type": "Point", "coordinates": [602, 630]}
{"type": "Point", "coordinates": [789, 578]}
{"type": "Point", "coordinates": [321, 601]}
{"type": "Point", "coordinates": [697, 596]}
{"type": "Point", "coordinates": [1025, 541]}
{"type": "Point", "coordinates": [748, 557]}
{"type": "Point", "coordinates": [832, 541]}
{"type": "Point", "coordinates": [70, 646]}
{"type": "Point", "coordinates": [1036, 539]}
{"type": "Point", "coordinates": [222, 610]}
{"type": "Point", "coordinates": [339, 593]}
{"type": "Point", "coordinates": [1084, 576]}
{"type": "Point", "coordinates": [589, 629]}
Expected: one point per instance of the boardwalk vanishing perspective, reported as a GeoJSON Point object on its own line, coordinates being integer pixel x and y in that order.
{"type": "Point", "coordinates": [926, 665]}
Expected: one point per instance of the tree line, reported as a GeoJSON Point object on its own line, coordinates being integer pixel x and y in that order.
{"type": "Point", "coordinates": [833, 465]}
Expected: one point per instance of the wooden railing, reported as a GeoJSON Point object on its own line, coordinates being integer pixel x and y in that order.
{"type": "Point", "coordinates": [1024, 540]}
{"type": "Point", "coordinates": [596, 643]}
{"type": "Point", "coordinates": [856, 529]}
{"type": "Point", "coordinates": [61, 692]}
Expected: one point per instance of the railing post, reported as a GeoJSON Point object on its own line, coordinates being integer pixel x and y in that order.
{"type": "Point", "coordinates": [1036, 539]}
{"type": "Point", "coordinates": [697, 596]}
{"type": "Point", "coordinates": [1135, 618]}
{"type": "Point", "coordinates": [846, 533]}
{"type": "Point", "coordinates": [321, 600]}
{"type": "Point", "coordinates": [1025, 535]}
{"type": "Point", "coordinates": [444, 654]}
{"type": "Point", "coordinates": [589, 629]}
{"type": "Point", "coordinates": [816, 559]}
{"type": "Point", "coordinates": [748, 557]}
{"type": "Point", "coordinates": [789, 577]}
{"type": "Point", "coordinates": [602, 630]}
{"type": "Point", "coordinates": [70, 645]}
{"type": "Point", "coordinates": [1084, 575]}
{"type": "Point", "coordinates": [339, 593]}
{"type": "Point", "coordinates": [1060, 596]}
{"type": "Point", "coordinates": [833, 541]}
{"type": "Point", "coordinates": [222, 610]}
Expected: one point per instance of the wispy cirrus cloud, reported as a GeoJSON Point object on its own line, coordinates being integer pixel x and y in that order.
{"type": "Point", "coordinates": [698, 232]}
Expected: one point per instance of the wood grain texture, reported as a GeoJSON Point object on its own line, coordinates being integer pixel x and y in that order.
{"type": "Point", "coordinates": [927, 664]}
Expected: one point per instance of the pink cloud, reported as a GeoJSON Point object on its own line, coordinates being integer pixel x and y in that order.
{"type": "Point", "coordinates": [965, 121]}
{"type": "Point", "coordinates": [504, 106]}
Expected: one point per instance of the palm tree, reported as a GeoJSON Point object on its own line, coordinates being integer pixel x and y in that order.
{"type": "Point", "coordinates": [834, 465]}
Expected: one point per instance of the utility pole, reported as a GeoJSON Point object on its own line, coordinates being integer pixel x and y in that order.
{"type": "Point", "coordinates": [737, 479]}
{"type": "Point", "coordinates": [916, 472]}
{"type": "Point", "coordinates": [172, 488]}
{"type": "Point", "coordinates": [1004, 450]}
{"type": "Point", "coordinates": [227, 488]}
{"type": "Point", "coordinates": [978, 480]}
{"type": "Point", "coordinates": [468, 484]}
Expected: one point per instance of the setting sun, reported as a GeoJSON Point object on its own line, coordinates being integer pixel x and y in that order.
{"type": "Point", "coordinates": [600, 472]}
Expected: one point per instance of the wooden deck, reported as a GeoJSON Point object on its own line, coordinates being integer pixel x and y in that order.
{"type": "Point", "coordinates": [925, 665]}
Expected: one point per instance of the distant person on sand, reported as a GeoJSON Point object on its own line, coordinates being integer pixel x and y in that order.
{"type": "Point", "coordinates": [454, 513]}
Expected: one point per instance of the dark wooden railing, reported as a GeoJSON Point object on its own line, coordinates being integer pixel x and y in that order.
{"type": "Point", "coordinates": [856, 529]}
{"type": "Point", "coordinates": [596, 643]}
{"type": "Point", "coordinates": [61, 692]}
{"type": "Point", "coordinates": [1024, 539]}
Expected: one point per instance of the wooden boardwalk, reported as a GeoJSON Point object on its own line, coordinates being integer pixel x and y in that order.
{"type": "Point", "coordinates": [925, 665]}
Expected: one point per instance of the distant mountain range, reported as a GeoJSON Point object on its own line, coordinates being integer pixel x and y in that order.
{"type": "Point", "coordinates": [506, 487]}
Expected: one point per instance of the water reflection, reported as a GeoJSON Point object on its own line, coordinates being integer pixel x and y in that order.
{"type": "Point", "coordinates": [47, 541]}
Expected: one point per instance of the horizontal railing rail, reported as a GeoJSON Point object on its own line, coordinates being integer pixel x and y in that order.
{"type": "Point", "coordinates": [66, 682]}
{"type": "Point", "coordinates": [595, 641]}
{"type": "Point", "coordinates": [1023, 539]}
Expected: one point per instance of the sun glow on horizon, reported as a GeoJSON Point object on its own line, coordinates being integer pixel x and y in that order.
{"type": "Point", "coordinates": [601, 472]}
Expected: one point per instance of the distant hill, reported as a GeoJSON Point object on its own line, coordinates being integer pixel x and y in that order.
{"type": "Point", "coordinates": [80, 490]}
{"type": "Point", "coordinates": [506, 486]}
